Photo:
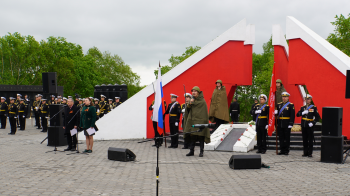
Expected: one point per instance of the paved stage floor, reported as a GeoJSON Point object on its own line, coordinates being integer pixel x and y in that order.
{"type": "Point", "coordinates": [25, 169]}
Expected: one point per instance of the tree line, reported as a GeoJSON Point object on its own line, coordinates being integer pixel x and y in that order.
{"type": "Point", "coordinates": [23, 60]}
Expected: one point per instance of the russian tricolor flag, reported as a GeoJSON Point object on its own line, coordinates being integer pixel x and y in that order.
{"type": "Point", "coordinates": [158, 103]}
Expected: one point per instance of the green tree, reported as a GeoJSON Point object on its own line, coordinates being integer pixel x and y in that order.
{"type": "Point", "coordinates": [341, 36]}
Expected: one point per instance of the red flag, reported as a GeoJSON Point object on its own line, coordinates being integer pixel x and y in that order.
{"type": "Point", "coordinates": [272, 98]}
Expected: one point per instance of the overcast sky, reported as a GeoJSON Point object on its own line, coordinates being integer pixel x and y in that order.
{"type": "Point", "coordinates": [146, 32]}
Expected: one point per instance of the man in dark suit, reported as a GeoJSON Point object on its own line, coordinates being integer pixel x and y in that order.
{"type": "Point", "coordinates": [71, 121]}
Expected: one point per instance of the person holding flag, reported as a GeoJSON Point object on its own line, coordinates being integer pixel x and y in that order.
{"type": "Point", "coordinates": [174, 111]}
{"type": "Point", "coordinates": [285, 119]}
{"type": "Point", "coordinates": [262, 115]}
{"type": "Point", "coordinates": [309, 116]}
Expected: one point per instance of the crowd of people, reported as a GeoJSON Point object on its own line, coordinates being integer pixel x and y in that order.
{"type": "Point", "coordinates": [80, 114]}
{"type": "Point", "coordinates": [195, 111]}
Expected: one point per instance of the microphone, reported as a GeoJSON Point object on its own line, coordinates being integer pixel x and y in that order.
{"type": "Point", "coordinates": [202, 126]}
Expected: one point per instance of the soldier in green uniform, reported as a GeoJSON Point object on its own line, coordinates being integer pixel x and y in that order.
{"type": "Point", "coordinates": [117, 102]}
{"type": "Point", "coordinates": [285, 119]}
{"type": "Point", "coordinates": [262, 122]}
{"type": "Point", "coordinates": [174, 111]}
{"type": "Point", "coordinates": [279, 90]}
{"type": "Point", "coordinates": [197, 113]}
{"type": "Point", "coordinates": [13, 113]}
{"type": "Point", "coordinates": [218, 112]}
{"type": "Point", "coordinates": [3, 112]}
{"type": "Point", "coordinates": [103, 106]}
{"type": "Point", "coordinates": [44, 114]}
{"type": "Point", "coordinates": [188, 98]}
{"type": "Point", "coordinates": [309, 117]}
{"type": "Point", "coordinates": [22, 114]}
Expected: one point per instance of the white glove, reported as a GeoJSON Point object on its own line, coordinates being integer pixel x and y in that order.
{"type": "Point", "coordinates": [176, 124]}
{"type": "Point", "coordinates": [290, 126]}
{"type": "Point", "coordinates": [24, 116]}
{"type": "Point", "coordinates": [183, 110]}
{"type": "Point", "coordinates": [267, 126]}
{"type": "Point", "coordinates": [98, 110]}
{"type": "Point", "coordinates": [276, 111]}
{"type": "Point", "coordinates": [239, 115]}
{"type": "Point", "coordinates": [305, 112]}
{"type": "Point", "coordinates": [310, 124]}
{"type": "Point", "coordinates": [16, 117]}
{"type": "Point", "coordinates": [257, 111]}
{"type": "Point", "coordinates": [152, 106]}
{"type": "Point", "coordinates": [230, 114]}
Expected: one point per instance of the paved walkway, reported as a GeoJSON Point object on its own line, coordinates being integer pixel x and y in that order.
{"type": "Point", "coordinates": [25, 169]}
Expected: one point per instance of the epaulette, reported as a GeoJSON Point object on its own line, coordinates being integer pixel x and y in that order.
{"type": "Point", "coordinates": [120, 102]}
{"type": "Point", "coordinates": [267, 105]}
{"type": "Point", "coordinates": [291, 103]}
{"type": "Point", "coordinates": [280, 102]}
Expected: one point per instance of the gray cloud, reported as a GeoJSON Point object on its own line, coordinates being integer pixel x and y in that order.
{"type": "Point", "coordinates": [146, 32]}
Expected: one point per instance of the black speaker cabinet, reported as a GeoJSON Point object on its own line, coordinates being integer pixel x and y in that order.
{"type": "Point", "coordinates": [49, 82]}
{"type": "Point", "coordinates": [56, 114]}
{"type": "Point", "coordinates": [245, 162]}
{"type": "Point", "coordinates": [332, 118]}
{"type": "Point", "coordinates": [332, 149]}
{"type": "Point", "coordinates": [120, 154]}
{"type": "Point", "coordinates": [56, 136]}
{"type": "Point", "coordinates": [347, 87]}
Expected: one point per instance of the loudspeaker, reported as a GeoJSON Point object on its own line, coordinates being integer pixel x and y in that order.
{"type": "Point", "coordinates": [332, 149]}
{"type": "Point", "coordinates": [347, 85]}
{"type": "Point", "coordinates": [332, 118]}
{"type": "Point", "coordinates": [49, 82]}
{"type": "Point", "coordinates": [120, 154]}
{"type": "Point", "coordinates": [58, 119]}
{"type": "Point", "coordinates": [56, 136]}
{"type": "Point", "coordinates": [245, 162]}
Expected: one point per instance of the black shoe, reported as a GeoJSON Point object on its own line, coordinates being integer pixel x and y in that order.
{"type": "Point", "coordinates": [21, 129]}
{"type": "Point", "coordinates": [39, 128]}
{"type": "Point", "coordinates": [191, 153]}
{"type": "Point", "coordinates": [305, 155]}
{"type": "Point", "coordinates": [310, 156]}
{"type": "Point", "coordinates": [10, 133]}
{"type": "Point", "coordinates": [281, 153]}
{"type": "Point", "coordinates": [68, 149]}
{"type": "Point", "coordinates": [258, 151]}
{"type": "Point", "coordinates": [170, 147]}
{"type": "Point", "coordinates": [263, 152]}
{"type": "Point", "coordinates": [184, 147]}
{"type": "Point", "coordinates": [73, 149]}
{"type": "Point", "coordinates": [201, 154]}
{"type": "Point", "coordinates": [43, 131]}
{"type": "Point", "coordinates": [175, 146]}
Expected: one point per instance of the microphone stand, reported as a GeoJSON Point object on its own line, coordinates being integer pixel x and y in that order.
{"type": "Point", "coordinates": [55, 149]}
{"type": "Point", "coordinates": [158, 143]}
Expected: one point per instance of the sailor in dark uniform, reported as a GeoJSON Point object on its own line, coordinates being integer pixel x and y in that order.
{"type": "Point", "coordinates": [13, 113]}
{"type": "Point", "coordinates": [97, 107]}
{"type": "Point", "coordinates": [234, 110]}
{"type": "Point", "coordinates": [17, 102]}
{"type": "Point", "coordinates": [253, 114]}
{"type": "Point", "coordinates": [285, 120]}
{"type": "Point", "coordinates": [44, 114]}
{"type": "Point", "coordinates": [37, 111]}
{"type": "Point", "coordinates": [3, 112]}
{"type": "Point", "coordinates": [52, 101]}
{"type": "Point", "coordinates": [103, 106]}
{"type": "Point", "coordinates": [22, 114]}
{"type": "Point", "coordinates": [262, 117]}
{"type": "Point", "coordinates": [188, 98]}
{"type": "Point", "coordinates": [309, 117]}
{"type": "Point", "coordinates": [110, 105]}
{"type": "Point", "coordinates": [59, 99]}
{"type": "Point", "coordinates": [27, 102]}
{"type": "Point", "coordinates": [174, 111]}
{"type": "Point", "coordinates": [64, 101]}
{"type": "Point", "coordinates": [117, 102]}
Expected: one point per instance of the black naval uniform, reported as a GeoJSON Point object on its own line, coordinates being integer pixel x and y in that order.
{"type": "Point", "coordinates": [234, 111]}
{"type": "Point", "coordinates": [103, 108]}
{"type": "Point", "coordinates": [261, 121]}
{"type": "Point", "coordinates": [253, 114]}
{"type": "Point", "coordinates": [71, 119]}
{"type": "Point", "coordinates": [96, 106]}
{"type": "Point", "coordinates": [13, 113]}
{"type": "Point", "coordinates": [187, 141]}
{"type": "Point", "coordinates": [22, 116]}
{"type": "Point", "coordinates": [116, 104]}
{"type": "Point", "coordinates": [3, 114]}
{"type": "Point", "coordinates": [52, 102]}
{"type": "Point", "coordinates": [44, 114]}
{"type": "Point", "coordinates": [174, 111]}
{"type": "Point", "coordinates": [37, 113]}
{"type": "Point", "coordinates": [283, 121]}
{"type": "Point", "coordinates": [308, 132]}
{"type": "Point", "coordinates": [155, 128]}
